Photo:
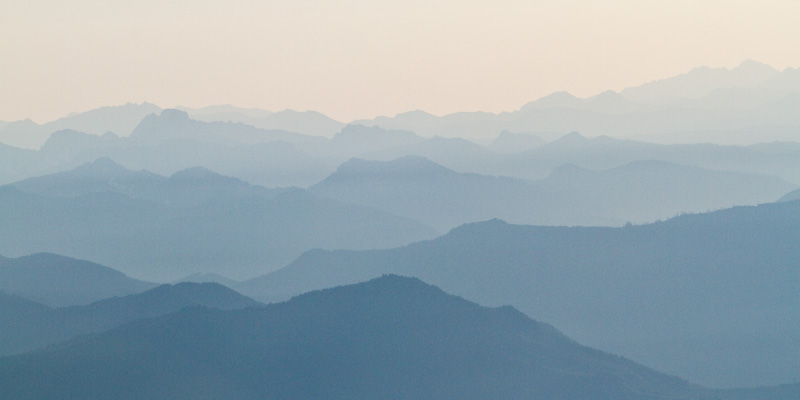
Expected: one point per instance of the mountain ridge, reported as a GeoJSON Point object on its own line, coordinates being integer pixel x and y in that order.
{"type": "Point", "coordinates": [358, 341]}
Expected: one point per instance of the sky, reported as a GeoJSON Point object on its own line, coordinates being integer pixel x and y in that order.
{"type": "Point", "coordinates": [357, 59]}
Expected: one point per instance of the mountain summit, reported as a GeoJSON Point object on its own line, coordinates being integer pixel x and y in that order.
{"type": "Point", "coordinates": [392, 337]}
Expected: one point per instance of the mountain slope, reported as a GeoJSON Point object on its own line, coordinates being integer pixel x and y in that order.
{"type": "Point", "coordinates": [118, 119]}
{"type": "Point", "coordinates": [791, 196]}
{"type": "Point", "coordinates": [200, 222]}
{"type": "Point", "coordinates": [702, 81]}
{"type": "Point", "coordinates": [720, 289]}
{"type": "Point", "coordinates": [422, 190]}
{"type": "Point", "coordinates": [29, 326]}
{"type": "Point", "coordinates": [601, 153]}
{"type": "Point", "coordinates": [185, 188]}
{"type": "Point", "coordinates": [173, 124]}
{"type": "Point", "coordinates": [391, 337]}
{"type": "Point", "coordinates": [61, 281]}
{"type": "Point", "coordinates": [638, 192]}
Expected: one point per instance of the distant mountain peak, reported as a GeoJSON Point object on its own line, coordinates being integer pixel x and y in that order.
{"type": "Point", "coordinates": [102, 166]}
{"type": "Point", "coordinates": [572, 138]}
{"type": "Point", "coordinates": [414, 114]}
{"type": "Point", "coordinates": [197, 173]}
{"type": "Point", "coordinates": [410, 164]}
{"type": "Point", "coordinates": [752, 65]}
{"type": "Point", "coordinates": [172, 113]}
{"type": "Point", "coordinates": [555, 100]}
{"type": "Point", "coordinates": [608, 95]}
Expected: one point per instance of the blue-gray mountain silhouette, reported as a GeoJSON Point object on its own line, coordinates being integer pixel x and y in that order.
{"type": "Point", "coordinates": [392, 337]}
{"type": "Point", "coordinates": [195, 221]}
{"type": "Point", "coordinates": [791, 196]}
{"type": "Point", "coordinates": [687, 108]}
{"type": "Point", "coordinates": [118, 119]}
{"type": "Point", "coordinates": [172, 141]}
{"type": "Point", "coordinates": [638, 192]}
{"type": "Point", "coordinates": [28, 325]}
{"type": "Point", "coordinates": [189, 187]}
{"type": "Point", "coordinates": [510, 142]}
{"type": "Point", "coordinates": [711, 297]}
{"type": "Point", "coordinates": [60, 281]}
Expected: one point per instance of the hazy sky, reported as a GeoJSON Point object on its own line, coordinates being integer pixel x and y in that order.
{"type": "Point", "coordinates": [362, 58]}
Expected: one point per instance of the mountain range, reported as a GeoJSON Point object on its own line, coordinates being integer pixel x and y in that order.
{"type": "Point", "coordinates": [752, 103]}
{"type": "Point", "coordinates": [163, 229]}
{"type": "Point", "coordinates": [120, 120]}
{"type": "Point", "coordinates": [59, 281]}
{"type": "Point", "coordinates": [638, 192]}
{"type": "Point", "coordinates": [391, 337]}
{"type": "Point", "coordinates": [29, 325]}
{"type": "Point", "coordinates": [709, 297]}
{"type": "Point", "coordinates": [172, 141]}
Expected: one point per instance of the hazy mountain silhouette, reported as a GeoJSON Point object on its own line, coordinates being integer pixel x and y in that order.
{"type": "Point", "coordinates": [62, 281]}
{"type": "Point", "coordinates": [194, 221]}
{"type": "Point", "coordinates": [600, 153]}
{"type": "Point", "coordinates": [791, 196]}
{"type": "Point", "coordinates": [509, 142]}
{"type": "Point", "coordinates": [638, 192]}
{"type": "Point", "coordinates": [422, 190]}
{"type": "Point", "coordinates": [788, 79]}
{"type": "Point", "coordinates": [227, 113]}
{"type": "Point", "coordinates": [305, 122]}
{"type": "Point", "coordinates": [608, 102]}
{"type": "Point", "coordinates": [172, 141]}
{"type": "Point", "coordinates": [174, 124]}
{"type": "Point", "coordinates": [207, 277]}
{"type": "Point", "coordinates": [646, 191]}
{"type": "Point", "coordinates": [16, 163]}
{"type": "Point", "coordinates": [118, 119]}
{"type": "Point", "coordinates": [695, 107]}
{"type": "Point", "coordinates": [28, 326]}
{"type": "Point", "coordinates": [361, 140]}
{"type": "Point", "coordinates": [189, 187]}
{"type": "Point", "coordinates": [391, 337]}
{"type": "Point", "coordinates": [702, 81]}
{"type": "Point", "coordinates": [712, 297]}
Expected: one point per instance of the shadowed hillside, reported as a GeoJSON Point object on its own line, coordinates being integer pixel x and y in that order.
{"type": "Point", "coordinates": [710, 297]}
{"type": "Point", "coordinates": [392, 337]}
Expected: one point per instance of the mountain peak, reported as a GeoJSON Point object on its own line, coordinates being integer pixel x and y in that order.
{"type": "Point", "coordinates": [384, 283]}
{"type": "Point", "coordinates": [751, 65]}
{"type": "Point", "coordinates": [174, 114]}
{"type": "Point", "coordinates": [102, 166]}
{"type": "Point", "coordinates": [414, 114]}
{"type": "Point", "coordinates": [555, 100]}
{"type": "Point", "coordinates": [570, 139]}
{"type": "Point", "coordinates": [406, 164]}
{"type": "Point", "coordinates": [196, 173]}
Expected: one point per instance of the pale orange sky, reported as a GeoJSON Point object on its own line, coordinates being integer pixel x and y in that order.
{"type": "Point", "coordinates": [362, 58]}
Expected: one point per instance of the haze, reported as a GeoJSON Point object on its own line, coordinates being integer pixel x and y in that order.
{"type": "Point", "coordinates": [360, 59]}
